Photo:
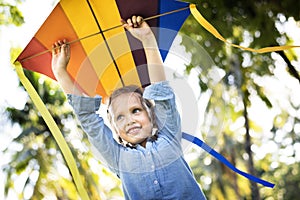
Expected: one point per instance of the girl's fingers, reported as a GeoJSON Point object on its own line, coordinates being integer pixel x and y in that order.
{"type": "Point", "coordinates": [60, 42]}
{"type": "Point", "coordinates": [66, 47]}
{"type": "Point", "coordinates": [139, 20]}
{"type": "Point", "coordinates": [53, 49]}
{"type": "Point", "coordinates": [134, 21]}
{"type": "Point", "coordinates": [60, 45]}
{"type": "Point", "coordinates": [123, 21]}
{"type": "Point", "coordinates": [129, 22]}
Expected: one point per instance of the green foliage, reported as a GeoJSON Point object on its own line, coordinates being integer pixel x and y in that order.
{"type": "Point", "coordinates": [38, 157]}
{"type": "Point", "coordinates": [39, 152]}
{"type": "Point", "coordinates": [251, 24]}
{"type": "Point", "coordinates": [10, 14]}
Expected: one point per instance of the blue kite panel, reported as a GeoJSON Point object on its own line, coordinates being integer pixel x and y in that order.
{"type": "Point", "coordinates": [170, 24]}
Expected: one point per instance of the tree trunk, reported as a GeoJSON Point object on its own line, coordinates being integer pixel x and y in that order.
{"type": "Point", "coordinates": [234, 175]}
{"type": "Point", "coordinates": [254, 189]}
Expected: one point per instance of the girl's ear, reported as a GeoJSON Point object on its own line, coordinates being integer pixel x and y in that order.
{"type": "Point", "coordinates": [114, 127]}
{"type": "Point", "coordinates": [112, 123]}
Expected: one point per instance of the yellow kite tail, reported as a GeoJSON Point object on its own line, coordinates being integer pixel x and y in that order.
{"type": "Point", "coordinates": [210, 28]}
{"type": "Point", "coordinates": [54, 130]}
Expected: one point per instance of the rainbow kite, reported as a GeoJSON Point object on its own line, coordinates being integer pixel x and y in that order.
{"type": "Point", "coordinates": [103, 55]}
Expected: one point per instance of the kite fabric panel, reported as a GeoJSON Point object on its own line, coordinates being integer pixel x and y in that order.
{"type": "Point", "coordinates": [103, 58]}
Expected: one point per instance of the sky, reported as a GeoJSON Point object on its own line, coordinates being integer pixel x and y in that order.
{"type": "Point", "coordinates": [18, 37]}
{"type": "Point", "coordinates": [36, 11]}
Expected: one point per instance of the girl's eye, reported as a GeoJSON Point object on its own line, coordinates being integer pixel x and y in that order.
{"type": "Point", "coordinates": [136, 110]}
{"type": "Point", "coordinates": [119, 117]}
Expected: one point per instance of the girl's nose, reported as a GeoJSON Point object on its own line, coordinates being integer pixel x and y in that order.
{"type": "Point", "coordinates": [129, 120]}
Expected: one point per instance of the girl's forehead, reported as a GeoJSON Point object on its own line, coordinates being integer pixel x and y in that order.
{"type": "Point", "coordinates": [125, 101]}
{"type": "Point", "coordinates": [132, 96]}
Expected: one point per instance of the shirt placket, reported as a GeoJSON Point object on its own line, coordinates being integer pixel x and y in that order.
{"type": "Point", "coordinates": [154, 179]}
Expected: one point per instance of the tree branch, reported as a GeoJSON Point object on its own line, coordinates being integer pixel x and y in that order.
{"type": "Point", "coordinates": [292, 70]}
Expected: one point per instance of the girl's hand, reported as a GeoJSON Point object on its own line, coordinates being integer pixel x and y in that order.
{"type": "Point", "coordinates": [60, 56]}
{"type": "Point", "coordinates": [138, 28]}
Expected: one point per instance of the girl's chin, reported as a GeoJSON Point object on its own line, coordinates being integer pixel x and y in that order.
{"type": "Point", "coordinates": [139, 138]}
{"type": "Point", "coordinates": [138, 134]}
{"type": "Point", "coordinates": [134, 133]}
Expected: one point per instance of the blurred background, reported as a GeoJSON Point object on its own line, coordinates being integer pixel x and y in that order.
{"type": "Point", "coordinates": [252, 116]}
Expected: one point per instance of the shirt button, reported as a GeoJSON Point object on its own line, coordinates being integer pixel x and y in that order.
{"type": "Point", "coordinates": [152, 166]}
{"type": "Point", "coordinates": [155, 182]}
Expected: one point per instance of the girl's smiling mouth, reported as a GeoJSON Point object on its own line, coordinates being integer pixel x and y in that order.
{"type": "Point", "coordinates": [133, 130]}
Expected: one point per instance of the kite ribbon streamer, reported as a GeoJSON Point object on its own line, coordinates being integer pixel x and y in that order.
{"type": "Point", "coordinates": [210, 28]}
{"type": "Point", "coordinates": [221, 158]}
{"type": "Point", "coordinates": [54, 130]}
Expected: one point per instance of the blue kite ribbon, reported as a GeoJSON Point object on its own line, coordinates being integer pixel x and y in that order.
{"type": "Point", "coordinates": [221, 158]}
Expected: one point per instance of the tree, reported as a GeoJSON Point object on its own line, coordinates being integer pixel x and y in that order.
{"type": "Point", "coordinates": [40, 159]}
{"type": "Point", "coordinates": [36, 167]}
{"type": "Point", "coordinates": [10, 14]}
{"type": "Point", "coordinates": [255, 24]}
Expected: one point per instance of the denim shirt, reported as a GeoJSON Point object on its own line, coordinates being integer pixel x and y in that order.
{"type": "Point", "coordinates": [158, 171]}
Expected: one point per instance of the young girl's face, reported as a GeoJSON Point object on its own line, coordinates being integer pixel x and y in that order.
{"type": "Point", "coordinates": [130, 118]}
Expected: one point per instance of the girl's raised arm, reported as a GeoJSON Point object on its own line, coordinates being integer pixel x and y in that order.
{"type": "Point", "coordinates": [60, 59]}
{"type": "Point", "coordinates": [141, 30]}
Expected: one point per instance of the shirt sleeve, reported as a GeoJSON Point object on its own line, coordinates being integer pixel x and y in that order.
{"type": "Point", "coordinates": [99, 134]}
{"type": "Point", "coordinates": [167, 116]}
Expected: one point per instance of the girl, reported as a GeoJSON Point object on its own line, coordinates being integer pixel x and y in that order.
{"type": "Point", "coordinates": [147, 155]}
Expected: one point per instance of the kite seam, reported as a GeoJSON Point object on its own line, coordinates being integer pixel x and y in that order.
{"type": "Point", "coordinates": [106, 43]}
